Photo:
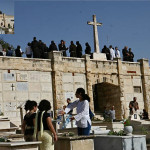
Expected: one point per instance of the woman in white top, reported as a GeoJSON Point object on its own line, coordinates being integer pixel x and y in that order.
{"type": "Point", "coordinates": [82, 118]}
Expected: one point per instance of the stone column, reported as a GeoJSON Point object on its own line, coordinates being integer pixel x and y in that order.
{"type": "Point", "coordinates": [145, 77]}
{"type": "Point", "coordinates": [89, 80]}
{"type": "Point", "coordinates": [56, 62]}
{"type": "Point", "coordinates": [121, 86]}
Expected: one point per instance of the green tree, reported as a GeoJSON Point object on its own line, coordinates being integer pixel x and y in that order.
{"type": "Point", "coordinates": [0, 12]}
{"type": "Point", "coordinates": [5, 44]}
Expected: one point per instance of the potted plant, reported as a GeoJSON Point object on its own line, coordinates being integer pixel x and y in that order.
{"type": "Point", "coordinates": [128, 129]}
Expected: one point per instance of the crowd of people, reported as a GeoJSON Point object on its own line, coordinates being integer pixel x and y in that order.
{"type": "Point", "coordinates": [38, 49]}
{"type": "Point", "coordinates": [37, 125]}
{"type": "Point", "coordinates": [112, 53]}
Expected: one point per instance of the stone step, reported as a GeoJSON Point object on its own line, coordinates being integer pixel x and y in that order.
{"type": "Point", "coordinates": [4, 123]}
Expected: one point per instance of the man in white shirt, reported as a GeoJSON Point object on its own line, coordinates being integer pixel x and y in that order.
{"type": "Point", "coordinates": [112, 52]}
{"type": "Point", "coordinates": [112, 114]}
{"type": "Point", "coordinates": [117, 52]}
{"type": "Point", "coordinates": [28, 51]}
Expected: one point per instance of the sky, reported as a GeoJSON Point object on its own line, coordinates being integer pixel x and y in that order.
{"type": "Point", "coordinates": [125, 23]}
{"type": "Point", "coordinates": [7, 6]}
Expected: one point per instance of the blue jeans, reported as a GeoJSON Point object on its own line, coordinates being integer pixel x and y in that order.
{"type": "Point", "coordinates": [84, 131]}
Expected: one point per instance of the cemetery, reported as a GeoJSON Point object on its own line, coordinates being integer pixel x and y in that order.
{"type": "Point", "coordinates": [108, 83]}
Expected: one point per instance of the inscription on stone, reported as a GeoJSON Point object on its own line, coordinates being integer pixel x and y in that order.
{"type": "Point", "coordinates": [9, 77]}
{"type": "Point", "coordinates": [21, 86]}
{"type": "Point", "coordinates": [22, 77]}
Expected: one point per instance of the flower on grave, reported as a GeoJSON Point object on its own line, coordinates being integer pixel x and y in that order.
{"type": "Point", "coordinates": [126, 122]}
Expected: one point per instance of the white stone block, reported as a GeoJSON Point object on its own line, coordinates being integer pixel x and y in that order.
{"type": "Point", "coordinates": [128, 89]}
{"type": "Point", "coordinates": [79, 86]}
{"type": "Point", "coordinates": [0, 77]}
{"type": "Point", "coordinates": [68, 87]}
{"type": "Point", "coordinates": [136, 82]}
{"type": "Point", "coordinates": [10, 106]}
{"type": "Point", "coordinates": [35, 96]}
{"type": "Point", "coordinates": [9, 77]}
{"type": "Point", "coordinates": [34, 87]}
{"type": "Point", "coordinates": [99, 56]}
{"type": "Point", "coordinates": [22, 86]}
{"type": "Point", "coordinates": [8, 86]}
{"type": "Point", "coordinates": [127, 82]}
{"type": "Point", "coordinates": [79, 78]}
{"type": "Point", "coordinates": [34, 76]}
{"type": "Point", "coordinates": [46, 87]}
{"type": "Point", "coordinates": [9, 97]}
{"type": "Point", "coordinates": [129, 97]}
{"type": "Point", "coordinates": [21, 96]}
{"type": "Point", "coordinates": [45, 77]}
{"type": "Point", "coordinates": [22, 77]}
{"type": "Point", "coordinates": [67, 78]}
{"type": "Point", "coordinates": [48, 96]}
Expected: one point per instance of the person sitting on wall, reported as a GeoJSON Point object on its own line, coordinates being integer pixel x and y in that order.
{"type": "Point", "coordinates": [145, 114]}
{"type": "Point", "coordinates": [133, 106]}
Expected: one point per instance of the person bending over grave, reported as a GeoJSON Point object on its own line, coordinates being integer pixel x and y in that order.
{"type": "Point", "coordinates": [133, 106]}
{"type": "Point", "coordinates": [29, 118]}
{"type": "Point", "coordinates": [44, 127]}
{"type": "Point", "coordinates": [112, 114]}
{"type": "Point", "coordinates": [145, 114]}
{"type": "Point", "coordinates": [82, 118]}
{"type": "Point", "coordinates": [63, 48]}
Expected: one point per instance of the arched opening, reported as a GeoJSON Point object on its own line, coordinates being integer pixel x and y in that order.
{"type": "Point", "coordinates": [106, 95]}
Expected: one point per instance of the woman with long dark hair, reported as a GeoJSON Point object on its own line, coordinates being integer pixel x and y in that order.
{"type": "Point", "coordinates": [44, 127]}
{"type": "Point", "coordinates": [29, 119]}
{"type": "Point", "coordinates": [82, 118]}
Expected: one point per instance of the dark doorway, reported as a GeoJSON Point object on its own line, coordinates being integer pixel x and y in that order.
{"type": "Point", "coordinates": [106, 95]}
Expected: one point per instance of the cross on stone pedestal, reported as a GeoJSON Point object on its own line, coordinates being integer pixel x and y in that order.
{"type": "Point", "coordinates": [96, 42]}
{"type": "Point", "coordinates": [12, 87]}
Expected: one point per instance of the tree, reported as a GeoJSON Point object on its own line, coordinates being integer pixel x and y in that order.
{"type": "Point", "coordinates": [5, 44]}
{"type": "Point", "coordinates": [0, 12]}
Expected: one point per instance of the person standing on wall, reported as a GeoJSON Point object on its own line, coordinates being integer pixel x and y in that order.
{"type": "Point", "coordinates": [82, 118]}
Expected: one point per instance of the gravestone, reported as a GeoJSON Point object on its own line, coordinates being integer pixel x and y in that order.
{"type": "Point", "coordinates": [135, 117]}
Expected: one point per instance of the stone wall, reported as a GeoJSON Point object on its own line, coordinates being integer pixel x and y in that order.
{"type": "Point", "coordinates": [58, 77]}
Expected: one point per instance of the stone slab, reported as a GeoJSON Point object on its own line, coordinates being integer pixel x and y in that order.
{"type": "Point", "coordinates": [4, 123]}
{"type": "Point", "coordinates": [137, 142]}
{"type": "Point", "coordinates": [9, 77]}
{"type": "Point", "coordinates": [22, 77]}
{"type": "Point", "coordinates": [21, 86]}
{"type": "Point", "coordinates": [21, 145]}
{"type": "Point", "coordinates": [99, 56]}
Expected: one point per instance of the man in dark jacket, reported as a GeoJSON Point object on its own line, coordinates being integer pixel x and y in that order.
{"type": "Point", "coordinates": [79, 49]}
{"type": "Point", "coordinates": [63, 48]}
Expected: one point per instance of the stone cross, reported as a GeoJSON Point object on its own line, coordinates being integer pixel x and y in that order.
{"type": "Point", "coordinates": [95, 24]}
{"type": "Point", "coordinates": [12, 87]}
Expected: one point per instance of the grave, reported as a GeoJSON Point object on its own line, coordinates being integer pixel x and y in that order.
{"type": "Point", "coordinates": [21, 145]}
